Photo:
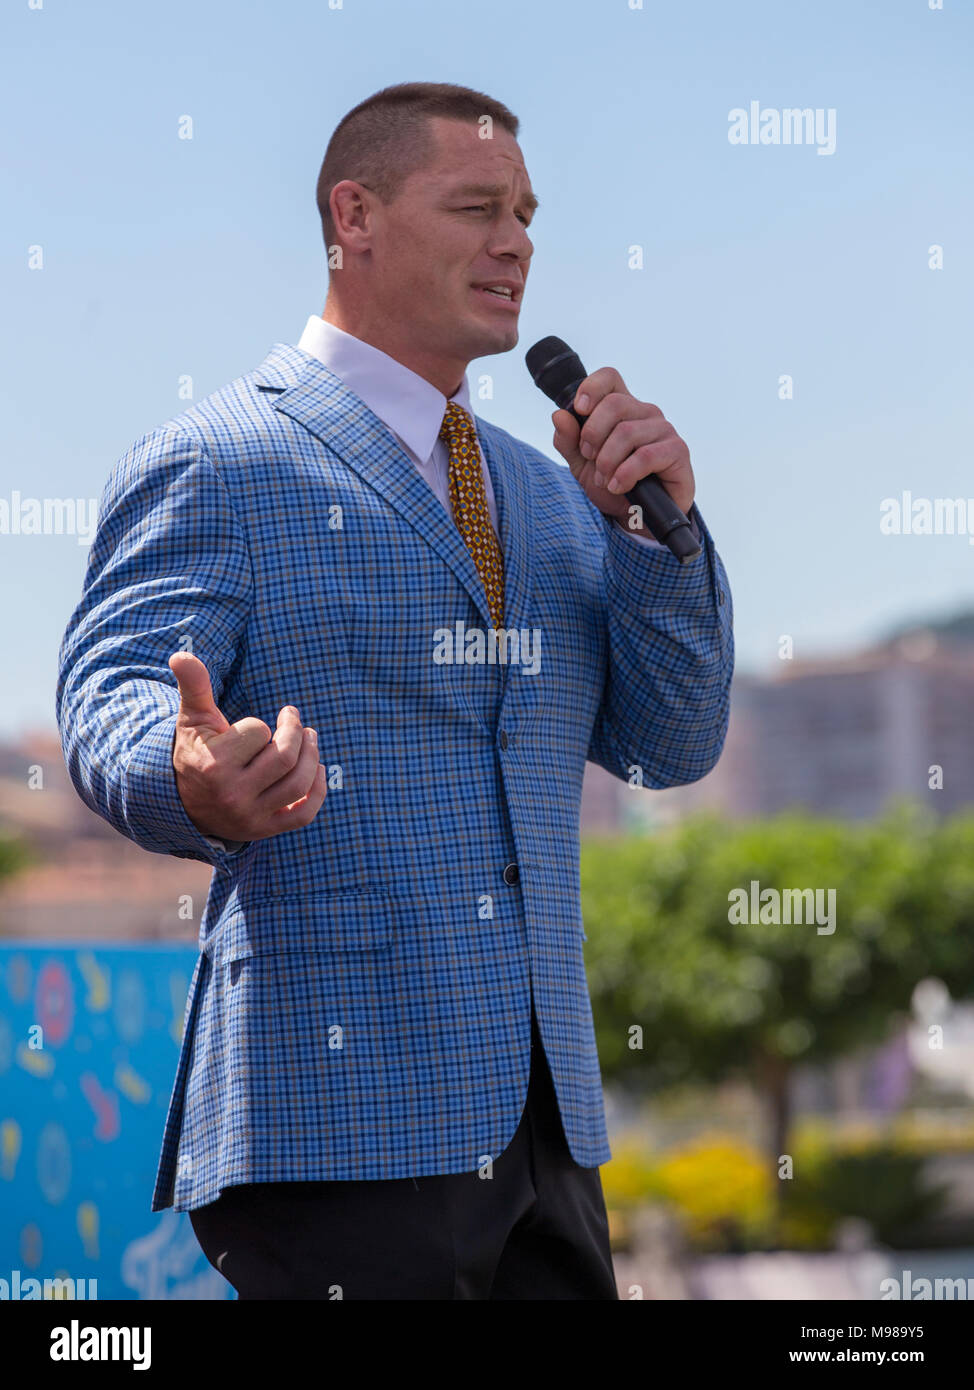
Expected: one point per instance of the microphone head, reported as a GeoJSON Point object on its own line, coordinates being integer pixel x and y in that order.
{"type": "Point", "coordinates": [555, 369]}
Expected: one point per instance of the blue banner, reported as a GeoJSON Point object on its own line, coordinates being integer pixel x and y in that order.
{"type": "Point", "coordinates": [89, 1039]}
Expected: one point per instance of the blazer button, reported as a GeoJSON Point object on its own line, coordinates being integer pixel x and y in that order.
{"type": "Point", "coordinates": [511, 874]}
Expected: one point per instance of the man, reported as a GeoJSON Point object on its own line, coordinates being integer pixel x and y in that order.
{"type": "Point", "coordinates": [388, 1085]}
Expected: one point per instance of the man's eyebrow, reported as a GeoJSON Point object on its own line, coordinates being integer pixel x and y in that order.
{"type": "Point", "coordinates": [492, 190]}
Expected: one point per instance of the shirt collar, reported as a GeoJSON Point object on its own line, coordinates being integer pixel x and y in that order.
{"type": "Point", "coordinates": [409, 404]}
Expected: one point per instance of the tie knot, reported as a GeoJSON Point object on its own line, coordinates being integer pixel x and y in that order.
{"type": "Point", "coordinates": [456, 421]}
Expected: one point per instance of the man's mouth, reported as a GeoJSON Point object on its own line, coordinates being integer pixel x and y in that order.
{"type": "Point", "coordinates": [501, 292]}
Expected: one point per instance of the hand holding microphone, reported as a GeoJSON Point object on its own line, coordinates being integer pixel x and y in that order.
{"type": "Point", "coordinates": [622, 451]}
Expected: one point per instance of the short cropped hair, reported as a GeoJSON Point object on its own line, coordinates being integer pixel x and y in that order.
{"type": "Point", "coordinates": [388, 136]}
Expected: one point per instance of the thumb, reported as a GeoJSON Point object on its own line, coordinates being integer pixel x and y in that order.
{"type": "Point", "coordinates": [197, 707]}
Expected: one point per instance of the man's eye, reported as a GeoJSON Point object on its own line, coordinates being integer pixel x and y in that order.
{"type": "Point", "coordinates": [482, 207]}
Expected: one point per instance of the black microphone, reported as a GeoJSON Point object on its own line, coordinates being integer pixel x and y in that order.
{"type": "Point", "coordinates": [559, 372]}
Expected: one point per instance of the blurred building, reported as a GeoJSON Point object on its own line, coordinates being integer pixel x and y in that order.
{"type": "Point", "coordinates": [84, 881]}
{"type": "Point", "coordinates": [838, 736]}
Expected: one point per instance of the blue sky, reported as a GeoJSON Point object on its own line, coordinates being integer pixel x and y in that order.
{"type": "Point", "coordinates": [165, 257]}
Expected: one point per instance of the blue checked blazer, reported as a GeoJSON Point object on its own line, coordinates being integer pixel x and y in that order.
{"type": "Point", "coordinates": [361, 1003]}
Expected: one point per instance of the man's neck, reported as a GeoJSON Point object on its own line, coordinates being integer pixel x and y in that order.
{"type": "Point", "coordinates": [436, 372]}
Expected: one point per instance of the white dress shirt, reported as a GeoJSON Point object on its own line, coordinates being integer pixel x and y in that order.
{"type": "Point", "coordinates": [411, 407]}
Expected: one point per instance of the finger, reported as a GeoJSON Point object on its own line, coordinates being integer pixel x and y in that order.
{"type": "Point", "coordinates": [611, 411]}
{"type": "Point", "coordinates": [567, 430]}
{"type": "Point", "coordinates": [595, 386]}
{"type": "Point", "coordinates": [279, 756]}
{"type": "Point", "coordinates": [301, 812]}
{"type": "Point", "coordinates": [197, 707]}
{"type": "Point", "coordinates": [667, 459]}
{"type": "Point", "coordinates": [294, 784]}
{"type": "Point", "coordinates": [626, 437]}
{"type": "Point", "coordinates": [242, 741]}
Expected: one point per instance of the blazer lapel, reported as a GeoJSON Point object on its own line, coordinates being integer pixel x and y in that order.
{"type": "Point", "coordinates": [512, 480]}
{"type": "Point", "coordinates": [319, 400]}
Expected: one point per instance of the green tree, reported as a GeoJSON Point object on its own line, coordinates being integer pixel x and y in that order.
{"type": "Point", "coordinates": [716, 997]}
{"type": "Point", "coordinates": [15, 854]}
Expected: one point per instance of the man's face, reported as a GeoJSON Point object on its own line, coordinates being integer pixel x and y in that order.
{"type": "Point", "coordinates": [455, 227]}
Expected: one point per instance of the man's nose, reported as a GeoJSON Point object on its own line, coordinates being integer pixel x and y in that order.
{"type": "Point", "coordinates": [513, 240]}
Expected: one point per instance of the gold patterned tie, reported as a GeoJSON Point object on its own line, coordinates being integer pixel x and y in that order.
{"type": "Point", "coordinates": [468, 497]}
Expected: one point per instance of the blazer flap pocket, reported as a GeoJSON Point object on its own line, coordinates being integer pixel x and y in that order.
{"type": "Point", "coordinates": [316, 922]}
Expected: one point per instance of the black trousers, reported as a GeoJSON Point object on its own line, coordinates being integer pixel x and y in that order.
{"type": "Point", "coordinates": [536, 1229]}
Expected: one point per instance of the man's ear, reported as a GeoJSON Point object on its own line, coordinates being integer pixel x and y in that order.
{"type": "Point", "coordinates": [351, 210]}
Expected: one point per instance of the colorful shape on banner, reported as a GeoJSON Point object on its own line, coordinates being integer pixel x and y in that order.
{"type": "Point", "coordinates": [98, 982]}
{"type": "Point", "coordinates": [132, 1086]}
{"type": "Point", "coordinates": [31, 1245]}
{"type": "Point", "coordinates": [129, 1006]}
{"type": "Point", "coordinates": [37, 1062]}
{"type": "Point", "coordinates": [53, 1163]}
{"type": "Point", "coordinates": [104, 1104]}
{"type": "Point", "coordinates": [10, 1145]}
{"type": "Point", "coordinates": [88, 1229]}
{"type": "Point", "coordinates": [54, 1002]}
{"type": "Point", "coordinates": [166, 1263]}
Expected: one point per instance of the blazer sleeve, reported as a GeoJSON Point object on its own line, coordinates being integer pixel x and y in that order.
{"type": "Point", "coordinates": [169, 569]}
{"type": "Point", "coordinates": [670, 658]}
